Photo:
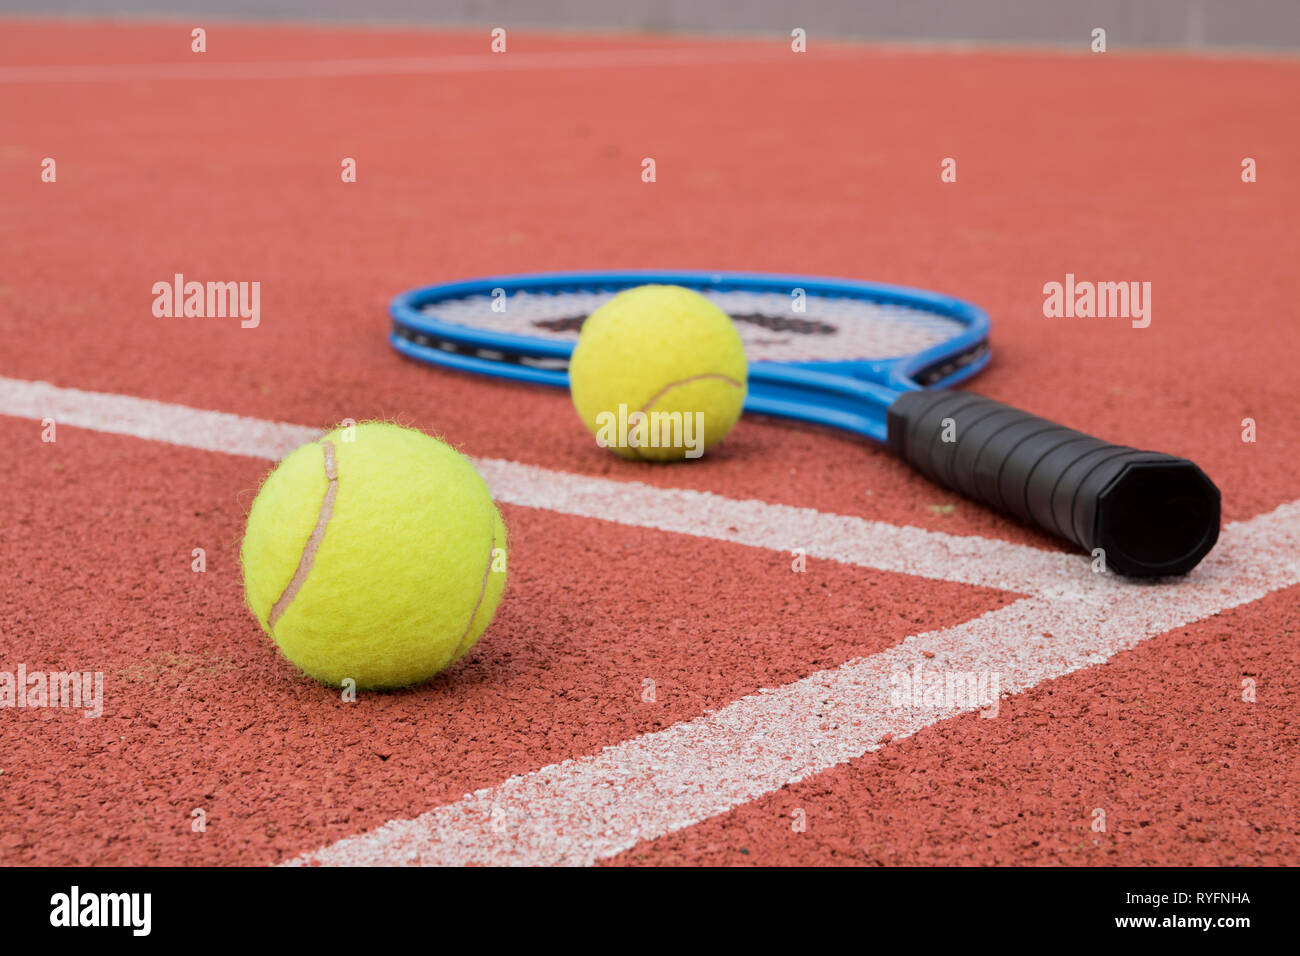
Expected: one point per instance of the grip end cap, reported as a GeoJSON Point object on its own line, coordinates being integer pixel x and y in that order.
{"type": "Point", "coordinates": [1156, 518]}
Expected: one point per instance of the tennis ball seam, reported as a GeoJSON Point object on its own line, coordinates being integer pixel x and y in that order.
{"type": "Point", "coordinates": [658, 347]}
{"type": "Point", "coordinates": [482, 592]}
{"type": "Point", "coordinates": [308, 558]}
{"type": "Point", "coordinates": [686, 381]}
{"type": "Point", "coordinates": [645, 409]}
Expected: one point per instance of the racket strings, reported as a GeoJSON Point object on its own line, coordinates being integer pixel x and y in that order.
{"type": "Point", "coordinates": [774, 326]}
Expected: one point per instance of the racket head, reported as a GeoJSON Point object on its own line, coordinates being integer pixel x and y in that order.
{"type": "Point", "coordinates": [824, 350]}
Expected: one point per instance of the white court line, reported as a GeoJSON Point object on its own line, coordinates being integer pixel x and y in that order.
{"type": "Point", "coordinates": [485, 62]}
{"type": "Point", "coordinates": [843, 538]}
{"type": "Point", "coordinates": [155, 421]}
{"type": "Point", "coordinates": [760, 524]}
{"type": "Point", "coordinates": [580, 811]}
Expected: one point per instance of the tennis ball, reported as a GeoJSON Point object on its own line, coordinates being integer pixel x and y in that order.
{"type": "Point", "coordinates": [658, 373]}
{"type": "Point", "coordinates": [375, 554]}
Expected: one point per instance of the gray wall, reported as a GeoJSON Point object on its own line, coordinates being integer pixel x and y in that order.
{"type": "Point", "coordinates": [1177, 23]}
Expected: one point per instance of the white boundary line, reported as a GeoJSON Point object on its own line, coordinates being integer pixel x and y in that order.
{"type": "Point", "coordinates": [869, 544]}
{"type": "Point", "coordinates": [486, 62]}
{"type": "Point", "coordinates": [587, 809]}
{"type": "Point", "coordinates": [581, 811]}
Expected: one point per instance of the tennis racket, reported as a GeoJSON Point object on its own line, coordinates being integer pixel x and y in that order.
{"type": "Point", "coordinates": [875, 360]}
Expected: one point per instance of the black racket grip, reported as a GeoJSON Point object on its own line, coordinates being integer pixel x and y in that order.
{"type": "Point", "coordinates": [1151, 514]}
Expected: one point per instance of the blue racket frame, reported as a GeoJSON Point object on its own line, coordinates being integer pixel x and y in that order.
{"type": "Point", "coordinates": [849, 395]}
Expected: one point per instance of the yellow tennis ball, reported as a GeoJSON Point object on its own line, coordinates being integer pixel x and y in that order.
{"type": "Point", "coordinates": [375, 553]}
{"type": "Point", "coordinates": [658, 373]}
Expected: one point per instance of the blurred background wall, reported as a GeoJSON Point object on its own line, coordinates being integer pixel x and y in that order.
{"type": "Point", "coordinates": [1183, 24]}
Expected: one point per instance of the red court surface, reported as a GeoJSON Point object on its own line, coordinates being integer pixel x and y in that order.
{"type": "Point", "coordinates": [1139, 723]}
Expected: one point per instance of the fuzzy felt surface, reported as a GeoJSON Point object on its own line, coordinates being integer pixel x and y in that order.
{"type": "Point", "coordinates": [369, 555]}
{"type": "Point", "coordinates": [659, 349]}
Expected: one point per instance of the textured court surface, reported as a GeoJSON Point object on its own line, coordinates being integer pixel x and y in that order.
{"type": "Point", "coordinates": [770, 737]}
